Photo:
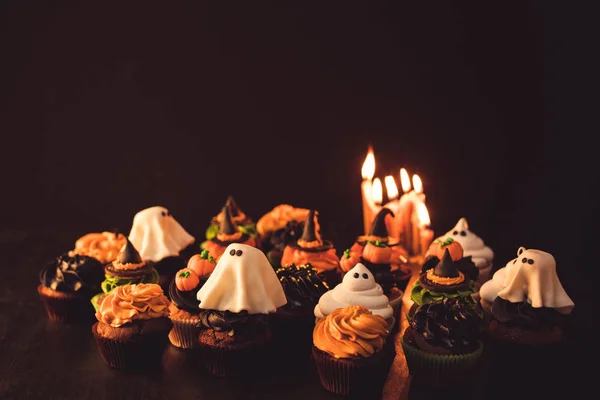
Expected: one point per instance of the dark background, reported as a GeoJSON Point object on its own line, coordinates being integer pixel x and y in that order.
{"type": "Point", "coordinates": [109, 109]}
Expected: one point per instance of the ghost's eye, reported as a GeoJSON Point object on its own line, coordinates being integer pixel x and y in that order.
{"type": "Point", "coordinates": [163, 213]}
{"type": "Point", "coordinates": [356, 275]}
{"type": "Point", "coordinates": [455, 233]}
{"type": "Point", "coordinates": [232, 252]}
{"type": "Point", "coordinates": [530, 261]}
{"type": "Point", "coordinates": [463, 233]}
{"type": "Point", "coordinates": [524, 260]}
{"type": "Point", "coordinates": [238, 253]}
{"type": "Point", "coordinates": [365, 276]}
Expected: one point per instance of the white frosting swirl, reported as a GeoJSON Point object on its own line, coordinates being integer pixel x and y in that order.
{"type": "Point", "coordinates": [357, 288]}
{"type": "Point", "coordinates": [472, 245]}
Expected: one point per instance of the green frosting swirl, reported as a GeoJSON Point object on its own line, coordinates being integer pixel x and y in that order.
{"type": "Point", "coordinates": [421, 296]}
{"type": "Point", "coordinates": [213, 229]}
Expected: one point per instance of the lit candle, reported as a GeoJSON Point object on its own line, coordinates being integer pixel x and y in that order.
{"type": "Point", "coordinates": [367, 172]}
{"type": "Point", "coordinates": [425, 234]}
{"type": "Point", "coordinates": [393, 224]}
{"type": "Point", "coordinates": [377, 193]}
{"type": "Point", "coordinates": [405, 211]}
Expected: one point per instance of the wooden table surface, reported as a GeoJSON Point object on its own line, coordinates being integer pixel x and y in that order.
{"type": "Point", "coordinates": [40, 359]}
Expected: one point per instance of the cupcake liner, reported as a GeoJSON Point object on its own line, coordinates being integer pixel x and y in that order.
{"type": "Point", "coordinates": [66, 309]}
{"type": "Point", "coordinates": [140, 351]}
{"type": "Point", "coordinates": [233, 362]}
{"type": "Point", "coordinates": [362, 378]}
{"type": "Point", "coordinates": [439, 369]}
{"type": "Point", "coordinates": [184, 333]}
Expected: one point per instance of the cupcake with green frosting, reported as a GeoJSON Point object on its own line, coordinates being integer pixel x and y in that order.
{"type": "Point", "coordinates": [129, 268]}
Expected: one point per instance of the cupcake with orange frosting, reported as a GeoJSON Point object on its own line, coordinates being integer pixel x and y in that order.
{"type": "Point", "coordinates": [353, 352]}
{"type": "Point", "coordinates": [312, 249]}
{"type": "Point", "coordinates": [103, 246]}
{"type": "Point", "coordinates": [228, 233]}
{"type": "Point", "coordinates": [243, 222]}
{"type": "Point", "coordinates": [385, 259]}
{"type": "Point", "coordinates": [184, 308]}
{"type": "Point", "coordinates": [133, 324]}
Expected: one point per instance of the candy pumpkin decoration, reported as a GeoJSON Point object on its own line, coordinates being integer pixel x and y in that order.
{"type": "Point", "coordinates": [202, 264]}
{"type": "Point", "coordinates": [349, 259]}
{"type": "Point", "coordinates": [186, 280]}
{"type": "Point", "coordinates": [377, 253]}
{"type": "Point", "coordinates": [438, 247]}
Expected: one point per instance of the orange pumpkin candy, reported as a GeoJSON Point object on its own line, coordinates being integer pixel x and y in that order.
{"type": "Point", "coordinates": [438, 247]}
{"type": "Point", "coordinates": [186, 279]}
{"type": "Point", "coordinates": [200, 265]}
{"type": "Point", "coordinates": [376, 254]}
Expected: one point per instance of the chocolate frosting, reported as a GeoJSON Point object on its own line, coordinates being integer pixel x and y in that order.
{"type": "Point", "coordinates": [464, 265]}
{"type": "Point", "coordinates": [186, 300]}
{"type": "Point", "coordinates": [449, 324]}
{"type": "Point", "coordinates": [227, 226]}
{"type": "Point", "coordinates": [523, 314]}
{"type": "Point", "coordinates": [302, 286]}
{"type": "Point", "coordinates": [378, 227]}
{"type": "Point", "coordinates": [129, 254]}
{"type": "Point", "coordinates": [227, 321]}
{"type": "Point", "coordinates": [73, 274]}
{"type": "Point", "coordinates": [309, 234]}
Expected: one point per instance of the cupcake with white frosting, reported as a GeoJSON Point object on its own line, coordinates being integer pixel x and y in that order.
{"type": "Point", "coordinates": [357, 288]}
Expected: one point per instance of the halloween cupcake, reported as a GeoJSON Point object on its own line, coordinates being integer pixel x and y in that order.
{"type": "Point", "coordinates": [279, 227]}
{"type": "Point", "coordinates": [473, 246]}
{"type": "Point", "coordinates": [443, 344]}
{"type": "Point", "coordinates": [353, 352]}
{"type": "Point", "coordinates": [132, 326]}
{"type": "Point", "coordinates": [357, 288]}
{"type": "Point", "coordinates": [243, 222]}
{"type": "Point", "coordinates": [234, 304]}
{"type": "Point", "coordinates": [128, 268]}
{"type": "Point", "coordinates": [294, 322]}
{"type": "Point", "coordinates": [443, 281]}
{"type": "Point", "coordinates": [463, 263]}
{"type": "Point", "coordinates": [67, 285]}
{"type": "Point", "coordinates": [311, 249]}
{"type": "Point", "coordinates": [386, 260]}
{"type": "Point", "coordinates": [228, 233]}
{"type": "Point", "coordinates": [184, 308]}
{"type": "Point", "coordinates": [161, 240]}
{"type": "Point", "coordinates": [103, 246]}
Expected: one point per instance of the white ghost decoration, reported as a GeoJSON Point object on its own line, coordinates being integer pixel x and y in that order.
{"type": "Point", "coordinates": [530, 277]}
{"type": "Point", "coordinates": [243, 280]}
{"type": "Point", "coordinates": [472, 244]}
{"type": "Point", "coordinates": [357, 288]}
{"type": "Point", "coordinates": [156, 234]}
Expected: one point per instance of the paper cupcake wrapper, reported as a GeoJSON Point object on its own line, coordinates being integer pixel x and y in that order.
{"type": "Point", "coordinates": [67, 309]}
{"type": "Point", "coordinates": [141, 351]}
{"type": "Point", "coordinates": [184, 333]}
{"type": "Point", "coordinates": [439, 369]}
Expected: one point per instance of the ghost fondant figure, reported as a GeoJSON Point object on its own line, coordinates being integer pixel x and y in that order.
{"type": "Point", "coordinates": [357, 288]}
{"type": "Point", "coordinates": [472, 244]}
{"type": "Point", "coordinates": [243, 280]}
{"type": "Point", "coordinates": [531, 278]}
{"type": "Point", "coordinates": [157, 235]}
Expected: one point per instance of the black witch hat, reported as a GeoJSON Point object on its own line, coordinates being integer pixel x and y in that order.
{"type": "Point", "coordinates": [227, 226]}
{"type": "Point", "coordinates": [446, 267]}
{"type": "Point", "coordinates": [129, 254]}
{"type": "Point", "coordinates": [312, 234]}
{"type": "Point", "coordinates": [233, 207]}
{"type": "Point", "coordinates": [378, 227]}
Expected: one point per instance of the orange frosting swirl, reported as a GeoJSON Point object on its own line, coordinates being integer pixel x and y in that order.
{"type": "Point", "coordinates": [104, 246]}
{"type": "Point", "coordinates": [445, 281]}
{"type": "Point", "coordinates": [310, 245]}
{"type": "Point", "coordinates": [351, 332]}
{"type": "Point", "coordinates": [279, 216]}
{"type": "Point", "coordinates": [129, 302]}
{"type": "Point", "coordinates": [119, 266]}
{"type": "Point", "coordinates": [229, 238]}
{"type": "Point", "coordinates": [320, 260]}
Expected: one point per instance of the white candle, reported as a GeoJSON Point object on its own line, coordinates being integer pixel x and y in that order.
{"type": "Point", "coordinates": [367, 172]}
{"type": "Point", "coordinates": [425, 234]}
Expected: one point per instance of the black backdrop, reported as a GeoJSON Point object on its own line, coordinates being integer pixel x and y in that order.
{"type": "Point", "coordinates": [108, 109]}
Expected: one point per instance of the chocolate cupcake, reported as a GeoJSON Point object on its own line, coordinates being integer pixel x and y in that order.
{"type": "Point", "coordinates": [160, 239]}
{"type": "Point", "coordinates": [312, 249]}
{"type": "Point", "coordinates": [353, 352]}
{"type": "Point", "coordinates": [243, 222]}
{"type": "Point", "coordinates": [235, 302]}
{"type": "Point", "coordinates": [384, 258]}
{"type": "Point", "coordinates": [443, 344]}
{"type": "Point", "coordinates": [132, 326]}
{"type": "Point", "coordinates": [128, 268]}
{"type": "Point", "coordinates": [66, 286]}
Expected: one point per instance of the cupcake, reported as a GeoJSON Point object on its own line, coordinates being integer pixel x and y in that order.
{"type": "Point", "coordinates": [474, 247]}
{"type": "Point", "coordinates": [128, 268]}
{"type": "Point", "coordinates": [443, 281]}
{"type": "Point", "coordinates": [162, 240]}
{"type": "Point", "coordinates": [133, 323]}
{"type": "Point", "coordinates": [386, 260]}
{"type": "Point", "coordinates": [278, 228]}
{"type": "Point", "coordinates": [464, 263]}
{"type": "Point", "coordinates": [353, 352]}
{"type": "Point", "coordinates": [357, 288]}
{"type": "Point", "coordinates": [184, 309]}
{"type": "Point", "coordinates": [443, 344]}
{"type": "Point", "coordinates": [103, 246]}
{"type": "Point", "coordinates": [234, 304]}
{"type": "Point", "coordinates": [294, 322]}
{"type": "Point", "coordinates": [311, 249]}
{"type": "Point", "coordinates": [228, 233]}
{"type": "Point", "coordinates": [67, 285]}
{"type": "Point", "coordinates": [525, 302]}
{"type": "Point", "coordinates": [243, 222]}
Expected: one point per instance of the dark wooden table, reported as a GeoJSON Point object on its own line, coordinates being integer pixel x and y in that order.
{"type": "Point", "coordinates": [40, 359]}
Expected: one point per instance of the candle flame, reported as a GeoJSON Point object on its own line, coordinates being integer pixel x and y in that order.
{"type": "Point", "coordinates": [390, 186]}
{"type": "Point", "coordinates": [404, 180]}
{"type": "Point", "coordinates": [423, 215]}
{"type": "Point", "coordinates": [377, 191]}
{"type": "Point", "coordinates": [368, 167]}
{"type": "Point", "coordinates": [417, 183]}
